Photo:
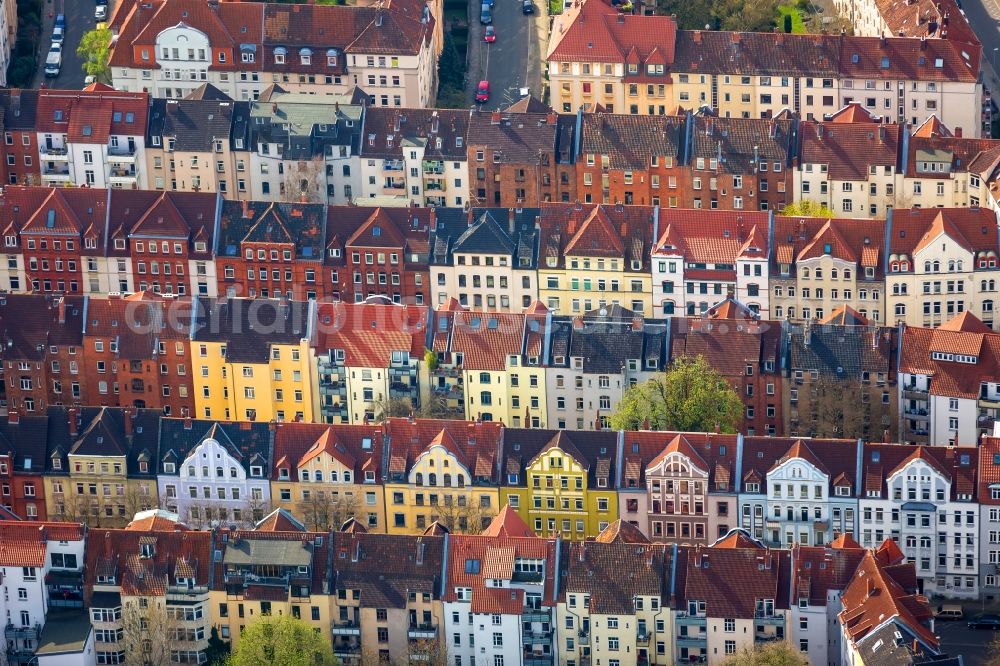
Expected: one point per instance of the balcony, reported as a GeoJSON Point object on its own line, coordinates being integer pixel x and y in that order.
{"type": "Point", "coordinates": [692, 640]}
{"type": "Point", "coordinates": [536, 659]}
{"type": "Point", "coordinates": [433, 166]}
{"type": "Point", "coordinates": [54, 154]}
{"type": "Point", "coordinates": [28, 633]}
{"type": "Point", "coordinates": [989, 402]}
{"type": "Point", "coordinates": [765, 637]}
{"type": "Point", "coordinates": [584, 637]}
{"type": "Point", "coordinates": [422, 632]}
{"type": "Point", "coordinates": [122, 176]}
{"type": "Point", "coordinates": [347, 651]}
{"type": "Point", "coordinates": [537, 638]}
{"type": "Point", "coordinates": [392, 165]}
{"type": "Point", "coordinates": [393, 187]}
{"type": "Point", "coordinates": [919, 435]}
{"type": "Point", "coordinates": [536, 614]}
{"type": "Point", "coordinates": [121, 155]}
{"type": "Point", "coordinates": [55, 175]}
{"type": "Point", "coordinates": [346, 628]}
{"type": "Point", "coordinates": [16, 656]}
{"type": "Point", "coordinates": [918, 414]}
{"type": "Point", "coordinates": [642, 637]}
{"type": "Point", "coordinates": [764, 618]}
{"type": "Point", "coordinates": [434, 186]}
{"type": "Point", "coordinates": [914, 393]}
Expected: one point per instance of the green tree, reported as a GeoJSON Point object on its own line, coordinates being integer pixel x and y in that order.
{"type": "Point", "coordinates": [745, 15]}
{"type": "Point", "coordinates": [94, 51]}
{"type": "Point", "coordinates": [691, 396]}
{"type": "Point", "coordinates": [691, 14]}
{"type": "Point", "coordinates": [218, 649]}
{"type": "Point", "coordinates": [807, 208]}
{"type": "Point", "coordinates": [779, 653]}
{"type": "Point", "coordinates": [282, 640]}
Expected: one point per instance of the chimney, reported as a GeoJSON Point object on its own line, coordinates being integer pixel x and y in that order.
{"type": "Point", "coordinates": [511, 221]}
{"type": "Point", "coordinates": [696, 36]}
{"type": "Point", "coordinates": [272, 425]}
{"type": "Point", "coordinates": [807, 334]}
{"type": "Point", "coordinates": [128, 414]}
{"type": "Point", "coordinates": [469, 218]}
{"type": "Point", "coordinates": [551, 118]}
{"type": "Point", "coordinates": [188, 423]}
{"type": "Point", "coordinates": [495, 118]}
{"type": "Point", "coordinates": [958, 132]}
{"type": "Point", "coordinates": [583, 551]}
{"type": "Point", "coordinates": [923, 43]}
{"type": "Point", "coordinates": [13, 417]}
{"type": "Point", "coordinates": [435, 122]}
{"type": "Point", "coordinates": [274, 107]}
{"type": "Point", "coordinates": [637, 324]}
{"type": "Point", "coordinates": [62, 310]}
{"type": "Point", "coordinates": [621, 18]}
{"type": "Point", "coordinates": [881, 133]}
{"type": "Point", "coordinates": [71, 421]}
{"type": "Point", "coordinates": [336, 107]}
{"type": "Point", "coordinates": [780, 38]}
{"type": "Point", "coordinates": [578, 323]}
{"type": "Point", "coordinates": [245, 425]}
{"type": "Point", "coordinates": [736, 37]}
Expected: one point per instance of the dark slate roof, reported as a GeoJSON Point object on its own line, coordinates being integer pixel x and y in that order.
{"type": "Point", "coordinates": [519, 137]}
{"type": "Point", "coordinates": [207, 91]}
{"type": "Point", "coordinates": [596, 451]}
{"type": "Point", "coordinates": [386, 568]}
{"type": "Point", "coordinates": [741, 142]}
{"type": "Point", "coordinates": [303, 225]}
{"type": "Point", "coordinates": [442, 131]}
{"type": "Point", "coordinates": [630, 141]}
{"type": "Point", "coordinates": [25, 442]}
{"type": "Point", "coordinates": [614, 574]}
{"type": "Point", "coordinates": [249, 327]}
{"type": "Point", "coordinates": [30, 322]}
{"type": "Point", "coordinates": [607, 339]}
{"type": "Point", "coordinates": [482, 230]}
{"type": "Point", "coordinates": [247, 442]}
{"type": "Point", "coordinates": [842, 351]}
{"type": "Point", "coordinates": [19, 108]}
{"type": "Point", "coordinates": [892, 651]}
{"type": "Point", "coordinates": [193, 123]}
{"type": "Point", "coordinates": [101, 431]}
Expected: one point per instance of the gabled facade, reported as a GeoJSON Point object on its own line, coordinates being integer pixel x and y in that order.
{"type": "Point", "coordinates": [988, 498]}
{"type": "Point", "coordinates": [212, 474]}
{"type": "Point", "coordinates": [924, 496]}
{"type": "Point", "coordinates": [23, 441]}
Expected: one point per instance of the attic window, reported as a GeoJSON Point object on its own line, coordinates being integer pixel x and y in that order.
{"type": "Point", "coordinates": [855, 58]}
{"type": "Point", "coordinates": [996, 458]}
{"type": "Point", "coordinates": [876, 456]}
{"type": "Point", "coordinates": [472, 566]}
{"type": "Point", "coordinates": [88, 130]}
{"type": "Point", "coordinates": [116, 117]}
{"type": "Point", "coordinates": [884, 64]}
{"type": "Point", "coordinates": [939, 62]}
{"type": "Point", "coordinates": [58, 115]}
{"type": "Point", "coordinates": [145, 550]}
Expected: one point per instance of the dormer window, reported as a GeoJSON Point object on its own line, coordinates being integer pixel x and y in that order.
{"type": "Point", "coordinates": [843, 491]}
{"type": "Point", "coordinates": [283, 473]}
{"type": "Point", "coordinates": [146, 550]}
{"type": "Point", "coordinates": [279, 55]}
{"type": "Point", "coordinates": [256, 471]}
{"type": "Point", "coordinates": [305, 56]}
{"type": "Point", "coordinates": [753, 487]}
{"type": "Point", "coordinates": [169, 468]}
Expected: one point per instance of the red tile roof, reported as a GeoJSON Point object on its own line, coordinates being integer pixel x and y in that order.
{"type": "Point", "coordinates": [595, 237]}
{"type": "Point", "coordinates": [477, 442]}
{"type": "Point", "coordinates": [621, 531]}
{"type": "Point", "coordinates": [849, 149]}
{"type": "Point", "coordinates": [933, 19]}
{"type": "Point", "coordinates": [712, 237]}
{"type": "Point", "coordinates": [92, 116]}
{"type": "Point", "coordinates": [560, 223]}
{"type": "Point", "coordinates": [717, 451]}
{"type": "Point", "coordinates": [387, 568]}
{"type": "Point", "coordinates": [957, 464]}
{"type": "Point", "coordinates": [22, 543]}
{"type": "Point", "coordinates": [508, 523]}
{"type": "Point", "coordinates": [837, 458]}
{"type": "Point", "coordinates": [728, 347]}
{"type": "Point", "coordinates": [156, 520]}
{"type": "Point", "coordinates": [361, 444]}
{"type": "Point", "coordinates": [853, 240]}
{"type": "Point", "coordinates": [874, 595]}
{"type": "Point", "coordinates": [819, 570]}
{"type": "Point", "coordinates": [487, 339]}
{"type": "Point", "coordinates": [175, 553]}
{"type": "Point", "coordinates": [280, 520]}
{"type": "Point", "coordinates": [474, 559]}
{"type": "Point", "coordinates": [950, 378]}
{"type": "Point", "coordinates": [853, 113]}
{"type": "Point", "coordinates": [988, 470]}
{"type": "Point", "coordinates": [738, 538]}
{"type": "Point", "coordinates": [369, 333]}
{"type": "Point", "coordinates": [622, 571]}
{"type": "Point", "coordinates": [845, 315]}
{"type": "Point", "coordinates": [594, 31]}
{"type": "Point", "coordinates": [973, 229]}
{"type": "Point", "coordinates": [731, 580]}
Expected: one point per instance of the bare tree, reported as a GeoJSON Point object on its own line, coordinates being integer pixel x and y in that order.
{"type": "Point", "coordinates": [148, 632]}
{"type": "Point", "coordinates": [327, 511]}
{"type": "Point", "coordinates": [305, 181]}
{"type": "Point", "coordinates": [464, 517]}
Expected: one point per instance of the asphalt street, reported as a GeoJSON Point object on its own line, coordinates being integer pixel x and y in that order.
{"type": "Point", "coordinates": [957, 638]}
{"type": "Point", "coordinates": [514, 60]}
{"type": "Point", "coordinates": [79, 19]}
{"type": "Point", "coordinates": [984, 17]}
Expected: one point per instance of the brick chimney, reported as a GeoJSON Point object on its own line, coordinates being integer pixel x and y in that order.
{"type": "Point", "coordinates": [552, 118]}
{"type": "Point", "coordinates": [127, 415]}
{"type": "Point", "coordinates": [71, 421]}
{"type": "Point", "coordinates": [62, 309]}
{"type": "Point", "coordinates": [958, 132]}
{"type": "Point", "coordinates": [188, 423]}
{"type": "Point", "coordinates": [495, 117]}
{"type": "Point", "coordinates": [13, 417]}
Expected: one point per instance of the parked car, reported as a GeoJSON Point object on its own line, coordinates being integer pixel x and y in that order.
{"type": "Point", "coordinates": [483, 92]}
{"type": "Point", "coordinates": [486, 14]}
{"type": "Point", "coordinates": [949, 612]}
{"type": "Point", "coordinates": [58, 35]}
{"type": "Point", "coordinates": [53, 61]}
{"type": "Point", "coordinates": [985, 621]}
{"type": "Point", "coordinates": [527, 7]}
{"type": "Point", "coordinates": [101, 13]}
{"type": "Point", "coordinates": [61, 21]}
{"type": "Point", "coordinates": [491, 34]}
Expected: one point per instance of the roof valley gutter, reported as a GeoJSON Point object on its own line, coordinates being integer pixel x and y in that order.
{"type": "Point", "coordinates": [620, 457]}
{"type": "Point", "coordinates": [673, 572]}
{"type": "Point", "coordinates": [444, 565]}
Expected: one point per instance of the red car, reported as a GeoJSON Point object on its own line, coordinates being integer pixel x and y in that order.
{"type": "Point", "coordinates": [483, 92]}
{"type": "Point", "coordinates": [491, 34]}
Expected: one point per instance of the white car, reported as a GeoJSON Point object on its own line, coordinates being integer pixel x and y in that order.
{"type": "Point", "coordinates": [58, 35]}
{"type": "Point", "coordinates": [101, 13]}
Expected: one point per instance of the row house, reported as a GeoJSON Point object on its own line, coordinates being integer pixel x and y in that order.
{"type": "Point", "coordinates": [170, 47]}
{"type": "Point", "coordinates": [499, 597]}
{"type": "Point", "coordinates": [595, 250]}
{"type": "Point", "coordinates": [716, 616]}
{"type": "Point", "coordinates": [253, 359]}
{"type": "Point", "coordinates": [942, 169]}
{"type": "Point", "coordinates": [414, 157]}
{"type": "Point", "coordinates": [199, 143]}
{"type": "Point", "coordinates": [922, 498]}
{"type": "Point", "coordinates": [325, 476]}
{"type": "Point", "coordinates": [272, 250]}
{"type": "Point", "coordinates": [386, 593]}
{"type": "Point", "coordinates": [594, 358]}
{"type": "Point", "coordinates": [519, 159]}
{"type": "Point", "coordinates": [562, 484]}
{"type": "Point", "coordinates": [755, 75]}
{"type": "Point", "coordinates": [947, 389]}
{"type": "Point", "coordinates": [941, 264]}
{"type": "Point", "coordinates": [92, 138]}
{"type": "Point", "coordinates": [841, 378]}
{"type": "Point", "coordinates": [212, 473]}
{"type": "Point", "coordinates": [742, 349]}
{"type": "Point", "coordinates": [154, 573]}
{"type": "Point", "coordinates": [611, 60]}
{"type": "Point", "coordinates": [988, 497]}
{"type": "Point", "coordinates": [464, 243]}
{"type": "Point", "coordinates": [23, 441]}
{"type": "Point", "coordinates": [136, 353]}
{"type": "Point", "coordinates": [20, 108]}
{"type": "Point", "coordinates": [819, 576]}
{"type": "Point", "coordinates": [818, 265]}
{"type": "Point", "coordinates": [697, 265]}
{"type": "Point", "coordinates": [798, 491]}
{"type": "Point", "coordinates": [441, 471]}
{"type": "Point", "coordinates": [367, 360]}
{"type": "Point", "coordinates": [276, 568]}
{"type": "Point", "coordinates": [678, 487]}
{"type": "Point", "coordinates": [43, 590]}
{"type": "Point", "coordinates": [42, 351]}
{"type": "Point", "coordinates": [630, 618]}
{"type": "Point", "coordinates": [885, 614]}
{"type": "Point", "coordinates": [850, 163]}
{"type": "Point", "coordinates": [99, 464]}
{"type": "Point", "coordinates": [919, 18]}
{"type": "Point", "coordinates": [299, 150]}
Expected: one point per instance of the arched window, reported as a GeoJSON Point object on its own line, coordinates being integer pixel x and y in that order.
{"type": "Point", "coordinates": [420, 479]}
{"type": "Point", "coordinates": [305, 475]}
{"type": "Point", "coordinates": [927, 267]}
{"type": "Point", "coordinates": [834, 273]}
{"type": "Point", "coordinates": [805, 273]}
{"type": "Point", "coordinates": [219, 473]}
{"type": "Point", "coordinates": [447, 479]}
{"type": "Point", "coordinates": [318, 474]}
{"type": "Point", "coordinates": [432, 479]}
{"type": "Point", "coordinates": [461, 480]}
